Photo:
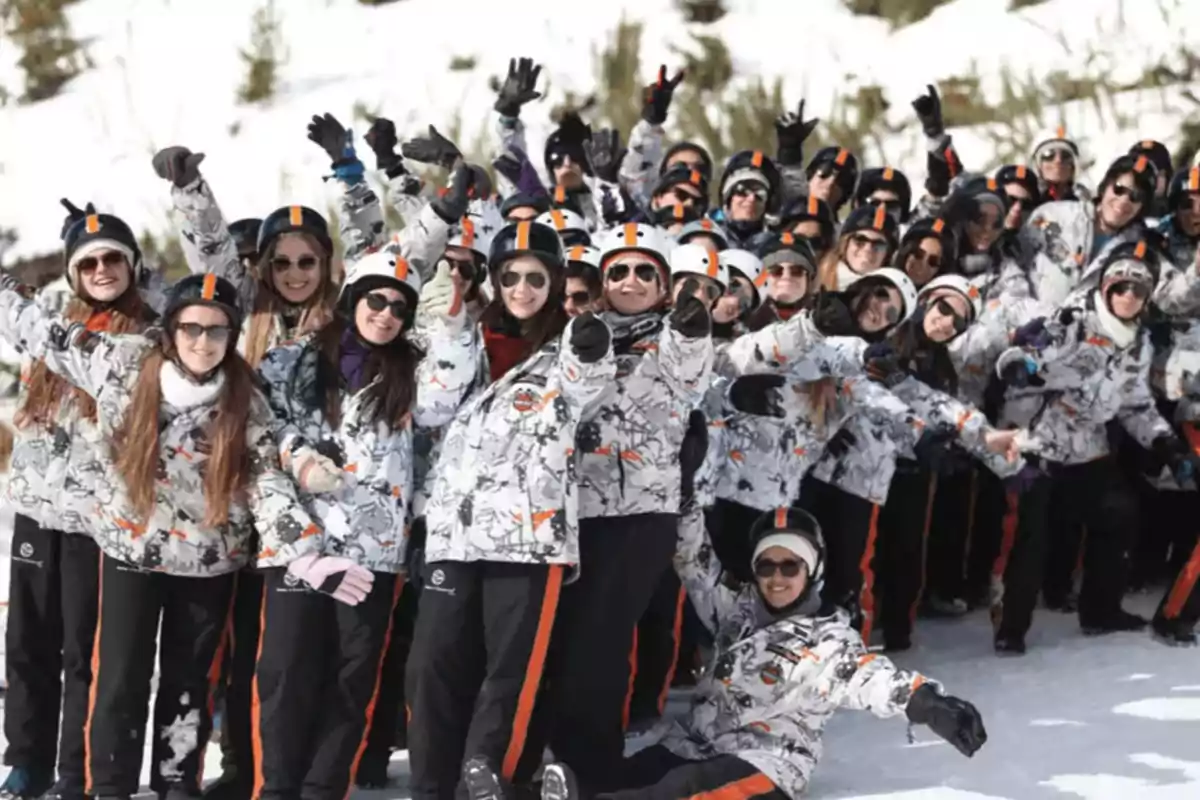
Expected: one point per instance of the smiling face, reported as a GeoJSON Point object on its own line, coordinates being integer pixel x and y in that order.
{"type": "Point", "coordinates": [946, 312]}
{"type": "Point", "coordinates": [578, 298]}
{"type": "Point", "coordinates": [104, 275]}
{"type": "Point", "coordinates": [567, 173]}
{"type": "Point", "coordinates": [747, 202]}
{"type": "Point", "coordinates": [865, 251]}
{"type": "Point", "coordinates": [1122, 201]}
{"type": "Point", "coordinates": [787, 283]}
{"type": "Point", "coordinates": [879, 308]}
{"type": "Point", "coordinates": [1056, 164]}
{"type": "Point", "coordinates": [633, 283]}
{"type": "Point", "coordinates": [524, 286]}
{"type": "Point", "coordinates": [925, 260]}
{"type": "Point", "coordinates": [779, 590]}
{"type": "Point", "coordinates": [379, 315]}
{"type": "Point", "coordinates": [1187, 216]}
{"type": "Point", "coordinates": [296, 266]}
{"type": "Point", "coordinates": [201, 337]}
{"type": "Point", "coordinates": [984, 230]}
{"type": "Point", "coordinates": [1127, 299]}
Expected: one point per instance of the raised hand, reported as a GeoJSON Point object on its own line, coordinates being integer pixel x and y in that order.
{"type": "Point", "coordinates": [929, 110]}
{"type": "Point", "coordinates": [791, 129]}
{"type": "Point", "coordinates": [657, 96]}
{"type": "Point", "coordinates": [331, 136]}
{"type": "Point", "coordinates": [518, 87]}
{"type": "Point", "coordinates": [177, 164]}
{"type": "Point", "coordinates": [433, 148]}
{"type": "Point", "coordinates": [605, 154]}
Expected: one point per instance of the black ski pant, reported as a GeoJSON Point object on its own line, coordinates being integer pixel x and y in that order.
{"type": "Point", "coordinates": [987, 533]}
{"type": "Point", "coordinates": [900, 554]}
{"type": "Point", "coordinates": [389, 723]}
{"type": "Point", "coordinates": [951, 526]}
{"type": "Point", "coordinates": [658, 774]}
{"type": "Point", "coordinates": [237, 738]}
{"type": "Point", "coordinates": [729, 525]}
{"type": "Point", "coordinates": [623, 560]}
{"type": "Point", "coordinates": [52, 601]}
{"type": "Point", "coordinates": [657, 647]}
{"type": "Point", "coordinates": [194, 614]}
{"type": "Point", "coordinates": [851, 526]}
{"type": "Point", "coordinates": [315, 685]}
{"type": "Point", "coordinates": [1091, 494]}
{"type": "Point", "coordinates": [1182, 598]}
{"type": "Point", "coordinates": [479, 652]}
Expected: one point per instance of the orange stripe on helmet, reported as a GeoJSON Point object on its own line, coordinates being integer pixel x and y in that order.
{"type": "Point", "coordinates": [92, 224]}
{"type": "Point", "coordinates": [1139, 252]}
{"type": "Point", "coordinates": [560, 194]}
{"type": "Point", "coordinates": [761, 280]}
{"type": "Point", "coordinates": [939, 225]}
{"type": "Point", "coordinates": [991, 185]}
{"type": "Point", "coordinates": [756, 159]}
{"type": "Point", "coordinates": [468, 232]}
{"type": "Point", "coordinates": [631, 234]}
{"type": "Point", "coordinates": [208, 289]}
{"type": "Point", "coordinates": [812, 206]}
{"type": "Point", "coordinates": [296, 216]}
{"type": "Point", "coordinates": [707, 224]}
{"type": "Point", "coordinates": [694, 177]}
{"type": "Point", "coordinates": [679, 212]}
{"type": "Point", "coordinates": [1140, 164]}
{"type": "Point", "coordinates": [576, 253]}
{"type": "Point", "coordinates": [560, 222]}
{"type": "Point", "coordinates": [1194, 179]}
{"type": "Point", "coordinates": [1020, 172]}
{"type": "Point", "coordinates": [1061, 132]}
{"type": "Point", "coordinates": [880, 217]}
{"type": "Point", "coordinates": [842, 155]}
{"type": "Point", "coordinates": [714, 263]}
{"type": "Point", "coordinates": [522, 235]}
{"type": "Point", "coordinates": [401, 272]}
{"type": "Point", "coordinates": [787, 238]}
{"type": "Point", "coordinates": [780, 518]}
{"type": "Point", "coordinates": [888, 173]}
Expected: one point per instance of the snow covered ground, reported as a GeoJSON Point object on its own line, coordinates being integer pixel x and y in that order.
{"type": "Point", "coordinates": [167, 72]}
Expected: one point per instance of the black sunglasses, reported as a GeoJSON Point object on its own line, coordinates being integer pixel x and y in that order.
{"type": "Point", "coordinates": [826, 170]}
{"type": "Point", "coordinates": [1134, 195]}
{"type": "Point", "coordinates": [378, 302]}
{"type": "Point", "coordinates": [711, 290]}
{"type": "Point", "coordinates": [644, 272]}
{"type": "Point", "coordinates": [765, 568]}
{"type": "Point", "coordinates": [1140, 291]}
{"type": "Point", "coordinates": [946, 309]}
{"type": "Point", "coordinates": [683, 196]}
{"type": "Point", "coordinates": [557, 158]}
{"type": "Point", "coordinates": [110, 259]}
{"type": "Point", "coordinates": [935, 262]}
{"type": "Point", "coordinates": [306, 263]}
{"type": "Point", "coordinates": [747, 189]}
{"type": "Point", "coordinates": [463, 266]}
{"type": "Point", "coordinates": [511, 278]}
{"type": "Point", "coordinates": [579, 298]}
{"type": "Point", "coordinates": [862, 240]}
{"type": "Point", "coordinates": [1063, 155]}
{"type": "Point", "coordinates": [890, 205]}
{"type": "Point", "coordinates": [194, 330]}
{"type": "Point", "coordinates": [792, 270]}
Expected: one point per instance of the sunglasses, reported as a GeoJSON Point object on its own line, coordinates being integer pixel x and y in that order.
{"type": "Point", "coordinates": [1057, 154]}
{"type": "Point", "coordinates": [110, 259]}
{"type": "Point", "coordinates": [463, 266]}
{"type": "Point", "coordinates": [192, 331]}
{"type": "Point", "coordinates": [890, 205]}
{"type": "Point", "coordinates": [579, 298]}
{"type": "Point", "coordinates": [935, 262]}
{"type": "Point", "coordinates": [683, 196]}
{"type": "Point", "coordinates": [644, 272]}
{"type": "Point", "coordinates": [765, 568]}
{"type": "Point", "coordinates": [862, 240]}
{"type": "Point", "coordinates": [536, 280]}
{"type": "Point", "coordinates": [1134, 195]}
{"type": "Point", "coordinates": [747, 189]}
{"type": "Point", "coordinates": [711, 291]}
{"type": "Point", "coordinates": [1140, 291]}
{"type": "Point", "coordinates": [1026, 203]}
{"type": "Point", "coordinates": [826, 171]}
{"type": "Point", "coordinates": [945, 308]}
{"type": "Point", "coordinates": [559, 159]}
{"type": "Point", "coordinates": [305, 263]}
{"type": "Point", "coordinates": [378, 302]}
{"type": "Point", "coordinates": [792, 270]}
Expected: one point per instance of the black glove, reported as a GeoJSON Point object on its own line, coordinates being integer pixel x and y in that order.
{"type": "Point", "coordinates": [883, 364]}
{"type": "Point", "coordinates": [518, 87]}
{"type": "Point", "coordinates": [573, 130]}
{"type": "Point", "coordinates": [452, 205]}
{"type": "Point", "coordinates": [381, 138]}
{"type": "Point", "coordinates": [657, 96]}
{"type": "Point", "coordinates": [937, 176]}
{"type": "Point", "coordinates": [691, 317]}
{"type": "Point", "coordinates": [692, 453]}
{"type": "Point", "coordinates": [74, 214]}
{"type": "Point", "coordinates": [841, 443]}
{"type": "Point", "coordinates": [1032, 335]}
{"type": "Point", "coordinates": [929, 111]}
{"type": "Point", "coordinates": [177, 164]}
{"type": "Point", "coordinates": [590, 338]}
{"type": "Point", "coordinates": [605, 154]}
{"type": "Point", "coordinates": [1172, 452]}
{"type": "Point", "coordinates": [790, 132]}
{"type": "Point", "coordinates": [832, 315]}
{"type": "Point", "coordinates": [955, 720]}
{"type": "Point", "coordinates": [760, 395]}
{"type": "Point", "coordinates": [330, 135]}
{"type": "Point", "coordinates": [432, 149]}
{"type": "Point", "coordinates": [931, 449]}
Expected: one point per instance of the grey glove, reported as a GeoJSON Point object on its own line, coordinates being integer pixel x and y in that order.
{"type": "Point", "coordinates": [177, 164]}
{"type": "Point", "coordinates": [432, 149]}
{"type": "Point", "coordinates": [605, 153]}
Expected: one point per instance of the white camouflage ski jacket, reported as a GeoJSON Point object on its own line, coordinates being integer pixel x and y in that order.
{"type": "Point", "coordinates": [174, 539]}
{"type": "Point", "coordinates": [629, 444]}
{"type": "Point", "coordinates": [366, 519]}
{"type": "Point", "coordinates": [505, 484]}
{"type": "Point", "coordinates": [773, 683]}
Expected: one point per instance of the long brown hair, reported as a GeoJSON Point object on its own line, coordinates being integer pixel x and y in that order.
{"type": "Point", "coordinates": [135, 443]}
{"type": "Point", "coordinates": [547, 324]}
{"type": "Point", "coordinates": [827, 270]}
{"type": "Point", "coordinates": [389, 400]}
{"type": "Point", "coordinates": [45, 391]}
{"type": "Point", "coordinates": [315, 314]}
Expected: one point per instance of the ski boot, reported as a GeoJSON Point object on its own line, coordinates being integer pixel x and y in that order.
{"type": "Point", "coordinates": [372, 772]}
{"type": "Point", "coordinates": [1116, 622]}
{"type": "Point", "coordinates": [558, 783]}
{"type": "Point", "coordinates": [1174, 632]}
{"type": "Point", "coordinates": [229, 787]}
{"type": "Point", "coordinates": [481, 780]}
{"type": "Point", "coordinates": [66, 790]}
{"type": "Point", "coordinates": [26, 784]}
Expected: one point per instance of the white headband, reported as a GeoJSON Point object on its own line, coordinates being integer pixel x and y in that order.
{"type": "Point", "coordinates": [792, 542]}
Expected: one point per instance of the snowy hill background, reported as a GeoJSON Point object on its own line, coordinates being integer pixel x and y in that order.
{"type": "Point", "coordinates": [167, 72]}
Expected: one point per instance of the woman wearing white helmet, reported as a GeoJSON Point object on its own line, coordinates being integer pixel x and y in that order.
{"type": "Point", "coordinates": [1055, 158]}
{"type": "Point", "coordinates": [630, 485]}
{"type": "Point", "coordinates": [584, 289]}
{"type": "Point", "coordinates": [570, 225]}
{"type": "Point", "coordinates": [345, 402]}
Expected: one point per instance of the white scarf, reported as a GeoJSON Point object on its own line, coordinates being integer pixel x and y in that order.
{"type": "Point", "coordinates": [846, 276]}
{"type": "Point", "coordinates": [181, 391]}
{"type": "Point", "coordinates": [1121, 332]}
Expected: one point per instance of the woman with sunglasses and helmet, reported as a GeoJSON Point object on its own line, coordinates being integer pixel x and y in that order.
{"type": "Point", "coordinates": [52, 478]}
{"type": "Point", "coordinates": [808, 217]}
{"type": "Point", "coordinates": [345, 402]}
{"type": "Point", "coordinates": [927, 249]}
{"type": "Point", "coordinates": [832, 176]}
{"type": "Point", "coordinates": [787, 276]}
{"type": "Point", "coordinates": [192, 464]}
{"type": "Point", "coordinates": [502, 523]}
{"type": "Point", "coordinates": [866, 243]}
{"type": "Point", "coordinates": [1055, 157]}
{"type": "Point", "coordinates": [751, 186]}
{"type": "Point", "coordinates": [1067, 377]}
{"type": "Point", "coordinates": [887, 187]}
{"type": "Point", "coordinates": [782, 668]}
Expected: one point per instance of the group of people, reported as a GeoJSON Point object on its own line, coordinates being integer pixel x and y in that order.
{"type": "Point", "coordinates": [492, 483]}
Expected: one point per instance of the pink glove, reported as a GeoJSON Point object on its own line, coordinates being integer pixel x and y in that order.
{"type": "Point", "coordinates": [337, 577]}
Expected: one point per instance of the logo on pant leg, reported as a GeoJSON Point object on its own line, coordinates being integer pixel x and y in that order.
{"type": "Point", "coordinates": [437, 578]}
{"type": "Point", "coordinates": [290, 580]}
{"type": "Point", "coordinates": [26, 550]}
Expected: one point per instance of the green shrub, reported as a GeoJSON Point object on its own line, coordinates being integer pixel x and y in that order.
{"type": "Point", "coordinates": [702, 12]}
{"type": "Point", "coordinates": [462, 63]}
{"type": "Point", "coordinates": [264, 56]}
{"type": "Point", "coordinates": [50, 55]}
{"type": "Point", "coordinates": [898, 12]}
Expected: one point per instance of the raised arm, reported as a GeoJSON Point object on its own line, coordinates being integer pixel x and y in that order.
{"type": "Point", "coordinates": [447, 371]}
{"type": "Point", "coordinates": [700, 570]}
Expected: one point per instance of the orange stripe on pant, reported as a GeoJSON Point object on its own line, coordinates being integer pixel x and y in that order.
{"type": "Point", "coordinates": [1012, 518]}
{"type": "Point", "coordinates": [533, 675]}
{"type": "Point", "coordinates": [214, 670]}
{"type": "Point", "coordinates": [912, 611]}
{"type": "Point", "coordinates": [1183, 586]}
{"type": "Point", "coordinates": [633, 659]}
{"type": "Point", "coordinates": [677, 633]}
{"type": "Point", "coordinates": [366, 734]}
{"type": "Point", "coordinates": [87, 727]}
{"type": "Point", "coordinates": [255, 706]}
{"type": "Point", "coordinates": [752, 786]}
{"type": "Point", "coordinates": [867, 596]}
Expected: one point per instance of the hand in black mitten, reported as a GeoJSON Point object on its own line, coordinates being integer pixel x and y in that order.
{"type": "Point", "coordinates": [955, 720]}
{"type": "Point", "coordinates": [1174, 453]}
{"type": "Point", "coordinates": [381, 138]}
{"type": "Point", "coordinates": [691, 316]}
{"type": "Point", "coordinates": [1032, 335]}
{"type": "Point", "coordinates": [692, 453]}
{"type": "Point", "coordinates": [937, 176]}
{"type": "Point", "coordinates": [74, 214]}
{"type": "Point", "coordinates": [841, 442]}
{"type": "Point", "coordinates": [760, 395]}
{"type": "Point", "coordinates": [177, 164]}
{"type": "Point", "coordinates": [832, 315]}
{"type": "Point", "coordinates": [330, 135]}
{"type": "Point", "coordinates": [605, 154]}
{"type": "Point", "coordinates": [590, 338]}
{"type": "Point", "coordinates": [432, 149]}
{"type": "Point", "coordinates": [657, 96]}
{"type": "Point", "coordinates": [883, 364]}
{"type": "Point", "coordinates": [452, 205]}
{"type": "Point", "coordinates": [934, 444]}
{"type": "Point", "coordinates": [929, 110]}
{"type": "Point", "coordinates": [518, 87]}
{"type": "Point", "coordinates": [791, 130]}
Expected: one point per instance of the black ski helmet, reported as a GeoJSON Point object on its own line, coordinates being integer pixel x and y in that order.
{"type": "Point", "coordinates": [95, 231]}
{"type": "Point", "coordinates": [886, 179]}
{"type": "Point", "coordinates": [204, 289]}
{"type": "Point", "coordinates": [797, 531]}
{"type": "Point", "coordinates": [837, 160]}
{"type": "Point", "coordinates": [294, 219]}
{"type": "Point", "coordinates": [526, 238]}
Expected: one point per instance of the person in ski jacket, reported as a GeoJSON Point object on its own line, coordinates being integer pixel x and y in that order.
{"type": "Point", "coordinates": [867, 240]}
{"type": "Point", "coordinates": [751, 186]}
{"type": "Point", "coordinates": [832, 175]}
{"type": "Point", "coordinates": [502, 521]}
{"type": "Point", "coordinates": [781, 669]}
{"type": "Point", "coordinates": [809, 217]}
{"type": "Point", "coordinates": [1055, 158]}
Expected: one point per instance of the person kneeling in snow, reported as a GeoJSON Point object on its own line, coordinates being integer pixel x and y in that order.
{"type": "Point", "coordinates": [780, 671]}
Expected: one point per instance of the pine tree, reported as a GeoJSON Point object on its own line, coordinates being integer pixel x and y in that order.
{"type": "Point", "coordinates": [50, 55]}
{"type": "Point", "coordinates": [264, 56]}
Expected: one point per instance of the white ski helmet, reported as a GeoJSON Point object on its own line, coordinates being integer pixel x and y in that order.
{"type": "Point", "coordinates": [571, 227]}
{"type": "Point", "coordinates": [960, 285]}
{"type": "Point", "coordinates": [1049, 140]}
{"type": "Point", "coordinates": [696, 259]}
{"type": "Point", "coordinates": [474, 231]}
{"type": "Point", "coordinates": [635, 237]}
{"type": "Point", "coordinates": [584, 254]}
{"type": "Point", "coordinates": [901, 282]}
{"type": "Point", "coordinates": [703, 227]}
{"type": "Point", "coordinates": [384, 267]}
{"type": "Point", "coordinates": [749, 266]}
